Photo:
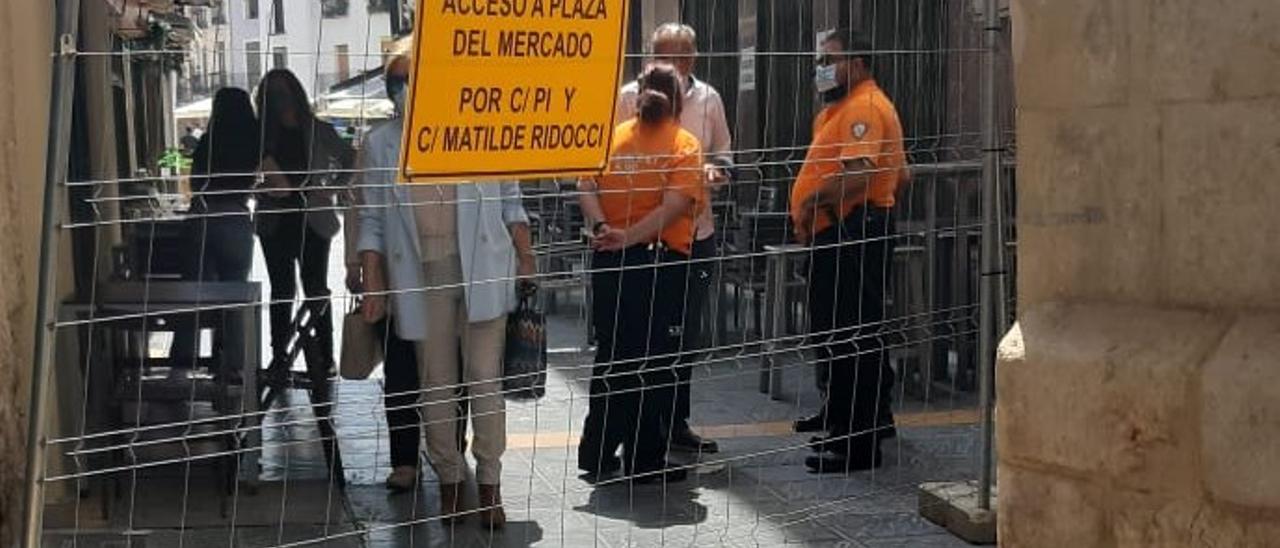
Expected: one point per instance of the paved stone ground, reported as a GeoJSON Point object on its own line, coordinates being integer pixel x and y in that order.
{"type": "Point", "coordinates": [756, 492]}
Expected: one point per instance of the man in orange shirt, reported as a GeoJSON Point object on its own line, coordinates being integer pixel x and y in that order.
{"type": "Point", "coordinates": [841, 204]}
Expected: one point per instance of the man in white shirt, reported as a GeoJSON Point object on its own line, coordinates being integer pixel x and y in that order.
{"type": "Point", "coordinates": [702, 115]}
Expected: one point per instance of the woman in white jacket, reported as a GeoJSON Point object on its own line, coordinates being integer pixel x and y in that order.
{"type": "Point", "coordinates": [446, 257]}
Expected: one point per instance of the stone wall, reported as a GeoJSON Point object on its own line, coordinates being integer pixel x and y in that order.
{"type": "Point", "coordinates": [25, 38]}
{"type": "Point", "coordinates": [1139, 395]}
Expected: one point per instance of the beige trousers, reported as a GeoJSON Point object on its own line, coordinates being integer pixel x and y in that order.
{"type": "Point", "coordinates": [482, 348]}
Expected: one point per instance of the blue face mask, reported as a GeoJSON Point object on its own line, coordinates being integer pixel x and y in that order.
{"type": "Point", "coordinates": [824, 78]}
{"type": "Point", "coordinates": [825, 81]}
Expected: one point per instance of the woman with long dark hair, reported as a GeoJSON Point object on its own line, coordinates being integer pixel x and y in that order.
{"type": "Point", "coordinates": [305, 163]}
{"type": "Point", "coordinates": [641, 213]}
{"type": "Point", "coordinates": [219, 230]}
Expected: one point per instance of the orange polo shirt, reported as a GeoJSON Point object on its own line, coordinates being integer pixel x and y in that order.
{"type": "Point", "coordinates": [644, 163]}
{"type": "Point", "coordinates": [862, 126]}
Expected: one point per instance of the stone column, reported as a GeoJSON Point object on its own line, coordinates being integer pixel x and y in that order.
{"type": "Point", "coordinates": [1139, 394]}
{"type": "Point", "coordinates": [25, 41]}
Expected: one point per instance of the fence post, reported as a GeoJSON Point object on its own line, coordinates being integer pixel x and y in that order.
{"type": "Point", "coordinates": [991, 295]}
{"type": "Point", "coordinates": [67, 13]}
{"type": "Point", "coordinates": [773, 327]}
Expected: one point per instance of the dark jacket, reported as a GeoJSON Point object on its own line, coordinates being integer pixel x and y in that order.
{"type": "Point", "coordinates": [222, 174]}
{"type": "Point", "coordinates": [321, 166]}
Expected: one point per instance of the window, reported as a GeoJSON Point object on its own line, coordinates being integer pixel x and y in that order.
{"type": "Point", "coordinates": [219, 15]}
{"type": "Point", "coordinates": [331, 9]}
{"type": "Point", "coordinates": [401, 12]}
{"type": "Point", "coordinates": [277, 17]}
{"type": "Point", "coordinates": [253, 62]}
{"type": "Point", "coordinates": [251, 8]}
{"type": "Point", "coordinates": [344, 62]}
{"type": "Point", "coordinates": [220, 57]}
{"type": "Point", "coordinates": [404, 17]}
{"type": "Point", "coordinates": [279, 57]}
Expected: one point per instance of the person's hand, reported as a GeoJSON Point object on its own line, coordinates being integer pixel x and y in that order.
{"type": "Point", "coordinates": [373, 306]}
{"type": "Point", "coordinates": [610, 239]}
{"type": "Point", "coordinates": [526, 288]}
{"type": "Point", "coordinates": [275, 181]}
{"type": "Point", "coordinates": [526, 272]}
{"type": "Point", "coordinates": [355, 282]}
{"type": "Point", "coordinates": [802, 234]}
{"type": "Point", "coordinates": [804, 221]}
{"type": "Point", "coordinates": [715, 175]}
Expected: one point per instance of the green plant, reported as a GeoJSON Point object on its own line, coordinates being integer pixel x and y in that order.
{"type": "Point", "coordinates": [173, 159]}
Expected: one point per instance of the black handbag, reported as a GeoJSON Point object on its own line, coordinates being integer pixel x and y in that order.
{"type": "Point", "coordinates": [524, 369]}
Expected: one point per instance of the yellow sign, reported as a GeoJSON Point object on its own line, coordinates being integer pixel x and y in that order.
{"type": "Point", "coordinates": [512, 88]}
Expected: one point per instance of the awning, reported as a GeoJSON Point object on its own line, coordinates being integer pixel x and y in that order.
{"type": "Point", "coordinates": [369, 87]}
{"type": "Point", "coordinates": [198, 110]}
{"type": "Point", "coordinates": [357, 109]}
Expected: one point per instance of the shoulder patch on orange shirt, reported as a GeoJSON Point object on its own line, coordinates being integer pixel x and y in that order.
{"type": "Point", "coordinates": [859, 130]}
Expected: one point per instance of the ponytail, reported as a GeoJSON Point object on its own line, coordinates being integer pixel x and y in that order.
{"type": "Point", "coordinates": [661, 94]}
{"type": "Point", "coordinates": [654, 106]}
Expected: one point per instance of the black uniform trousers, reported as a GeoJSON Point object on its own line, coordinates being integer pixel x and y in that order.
{"type": "Point", "coordinates": [848, 284]}
{"type": "Point", "coordinates": [701, 276]}
{"type": "Point", "coordinates": [638, 307]}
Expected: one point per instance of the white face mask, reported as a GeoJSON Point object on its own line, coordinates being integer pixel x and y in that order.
{"type": "Point", "coordinates": [824, 78]}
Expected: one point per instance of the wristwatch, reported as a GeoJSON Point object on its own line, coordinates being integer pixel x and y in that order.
{"type": "Point", "coordinates": [595, 228]}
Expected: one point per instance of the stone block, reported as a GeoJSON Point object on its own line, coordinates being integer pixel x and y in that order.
{"type": "Point", "coordinates": [1085, 207]}
{"type": "Point", "coordinates": [1214, 49]}
{"type": "Point", "coordinates": [1227, 528]}
{"type": "Point", "coordinates": [1105, 392]}
{"type": "Point", "coordinates": [1042, 510]}
{"type": "Point", "coordinates": [1075, 53]}
{"type": "Point", "coordinates": [1219, 167]}
{"type": "Point", "coordinates": [1141, 521]}
{"type": "Point", "coordinates": [1240, 420]}
{"type": "Point", "coordinates": [954, 507]}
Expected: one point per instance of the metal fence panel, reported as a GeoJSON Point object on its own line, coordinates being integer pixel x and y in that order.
{"type": "Point", "coordinates": [184, 396]}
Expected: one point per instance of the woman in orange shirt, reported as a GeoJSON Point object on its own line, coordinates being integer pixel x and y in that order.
{"type": "Point", "coordinates": [641, 216]}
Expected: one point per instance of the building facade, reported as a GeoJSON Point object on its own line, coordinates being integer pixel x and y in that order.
{"type": "Point", "coordinates": [323, 42]}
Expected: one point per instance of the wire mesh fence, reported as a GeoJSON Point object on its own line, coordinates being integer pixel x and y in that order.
{"type": "Point", "coordinates": [714, 360]}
